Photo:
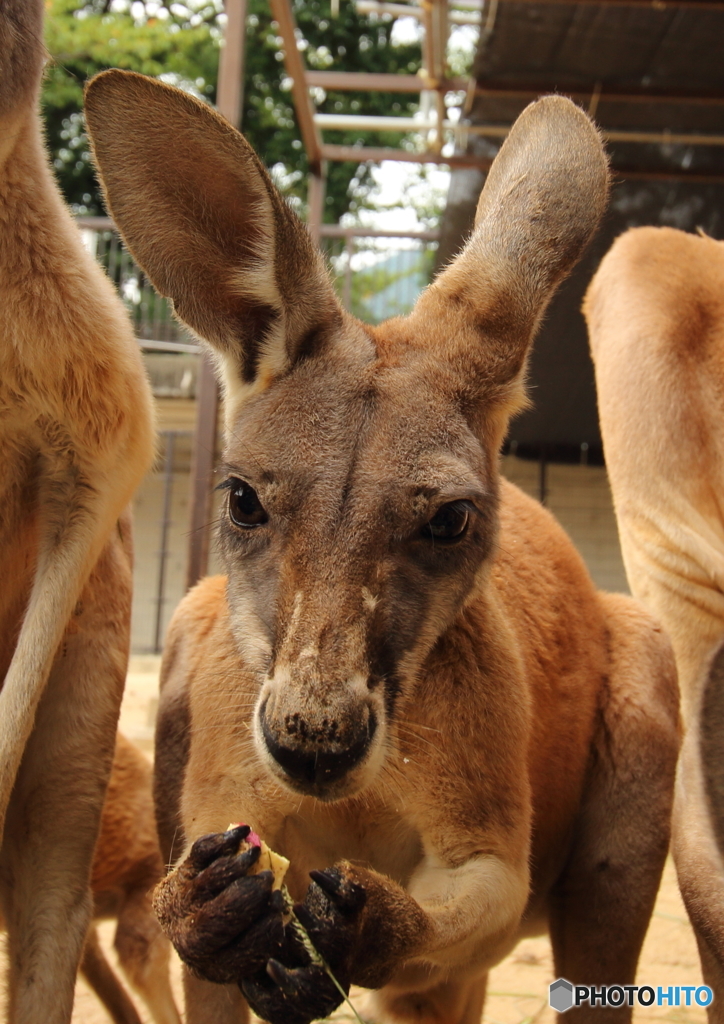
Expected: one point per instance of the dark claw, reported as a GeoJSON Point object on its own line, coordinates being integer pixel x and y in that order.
{"type": "Point", "coordinates": [223, 871]}
{"type": "Point", "coordinates": [310, 994]}
{"type": "Point", "coordinates": [276, 902]}
{"type": "Point", "coordinates": [283, 978]}
{"type": "Point", "coordinates": [345, 894]}
{"type": "Point", "coordinates": [332, 937]}
{"type": "Point", "coordinates": [217, 844]}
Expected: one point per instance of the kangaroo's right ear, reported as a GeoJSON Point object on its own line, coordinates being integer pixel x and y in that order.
{"type": "Point", "coordinates": [202, 217]}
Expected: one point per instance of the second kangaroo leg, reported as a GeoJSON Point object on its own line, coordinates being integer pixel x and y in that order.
{"type": "Point", "coordinates": [696, 846]}
{"type": "Point", "coordinates": [453, 1001]}
{"type": "Point", "coordinates": [98, 973]}
{"type": "Point", "coordinates": [144, 953]}
{"type": "Point", "coordinates": [207, 1003]}
{"type": "Point", "coordinates": [601, 906]}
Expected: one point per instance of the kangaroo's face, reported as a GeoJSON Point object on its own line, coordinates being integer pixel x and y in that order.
{"type": "Point", "coordinates": [352, 533]}
{"type": "Point", "coordinates": [360, 464]}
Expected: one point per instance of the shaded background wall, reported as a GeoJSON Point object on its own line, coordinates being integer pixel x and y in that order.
{"type": "Point", "coordinates": [564, 415]}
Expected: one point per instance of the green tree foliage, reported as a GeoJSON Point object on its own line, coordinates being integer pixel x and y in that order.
{"type": "Point", "coordinates": [179, 42]}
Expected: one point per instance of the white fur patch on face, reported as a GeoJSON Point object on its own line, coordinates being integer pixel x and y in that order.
{"type": "Point", "coordinates": [251, 637]}
{"type": "Point", "coordinates": [273, 363]}
{"type": "Point", "coordinates": [369, 600]}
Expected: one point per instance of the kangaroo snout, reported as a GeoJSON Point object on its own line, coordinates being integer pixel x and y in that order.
{"type": "Point", "coordinates": [316, 747]}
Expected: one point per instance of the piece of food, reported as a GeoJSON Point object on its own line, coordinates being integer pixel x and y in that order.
{"type": "Point", "coordinates": [268, 859]}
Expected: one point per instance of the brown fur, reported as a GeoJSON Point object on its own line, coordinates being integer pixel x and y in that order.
{"type": "Point", "coordinates": [126, 867]}
{"type": "Point", "coordinates": [479, 742]}
{"type": "Point", "coordinates": [655, 314]}
{"type": "Point", "coordinates": [75, 440]}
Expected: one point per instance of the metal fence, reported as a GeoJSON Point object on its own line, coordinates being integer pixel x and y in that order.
{"type": "Point", "coordinates": [377, 274]}
{"type": "Point", "coordinates": [151, 314]}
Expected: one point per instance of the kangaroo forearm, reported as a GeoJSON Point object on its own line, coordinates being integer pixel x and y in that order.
{"type": "Point", "coordinates": [471, 910]}
{"type": "Point", "coordinates": [449, 916]}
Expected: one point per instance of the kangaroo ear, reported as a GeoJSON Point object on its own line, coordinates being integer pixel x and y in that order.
{"type": "Point", "coordinates": [541, 204]}
{"type": "Point", "coordinates": [201, 215]}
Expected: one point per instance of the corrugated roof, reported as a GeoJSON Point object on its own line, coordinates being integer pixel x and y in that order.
{"type": "Point", "coordinates": [593, 50]}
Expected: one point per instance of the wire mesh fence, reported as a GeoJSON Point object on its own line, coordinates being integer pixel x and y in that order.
{"type": "Point", "coordinates": [150, 313]}
{"type": "Point", "coordinates": [378, 274]}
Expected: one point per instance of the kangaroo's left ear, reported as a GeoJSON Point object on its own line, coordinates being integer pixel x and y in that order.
{"type": "Point", "coordinates": [540, 206]}
{"type": "Point", "coordinates": [201, 215]}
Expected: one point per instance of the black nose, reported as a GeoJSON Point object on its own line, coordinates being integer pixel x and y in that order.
{"type": "Point", "coordinates": [317, 756]}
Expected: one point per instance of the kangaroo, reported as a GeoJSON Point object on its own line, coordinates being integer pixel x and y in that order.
{"type": "Point", "coordinates": [126, 867]}
{"type": "Point", "coordinates": [406, 682]}
{"type": "Point", "coordinates": [655, 313]}
{"type": "Point", "coordinates": [76, 437]}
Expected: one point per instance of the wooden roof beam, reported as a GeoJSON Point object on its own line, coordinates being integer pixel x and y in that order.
{"type": "Point", "coordinates": [360, 154]}
{"type": "Point", "coordinates": [470, 17]}
{"type": "Point", "coordinates": [654, 5]}
{"type": "Point", "coordinates": [311, 137]}
{"type": "Point", "coordinates": [376, 154]}
{"type": "Point", "coordinates": [364, 122]}
{"type": "Point", "coordinates": [360, 81]}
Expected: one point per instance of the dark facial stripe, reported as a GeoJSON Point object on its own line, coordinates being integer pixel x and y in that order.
{"type": "Point", "coordinates": [255, 321]}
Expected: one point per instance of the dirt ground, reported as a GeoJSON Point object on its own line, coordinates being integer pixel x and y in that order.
{"type": "Point", "coordinates": [518, 987]}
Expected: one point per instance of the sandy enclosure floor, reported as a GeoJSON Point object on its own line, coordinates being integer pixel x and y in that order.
{"type": "Point", "coordinates": [518, 987]}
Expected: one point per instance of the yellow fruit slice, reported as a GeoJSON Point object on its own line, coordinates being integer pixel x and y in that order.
{"type": "Point", "coordinates": [268, 859]}
{"type": "Point", "coordinates": [271, 861]}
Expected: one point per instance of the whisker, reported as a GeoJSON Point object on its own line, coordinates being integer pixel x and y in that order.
{"type": "Point", "coordinates": [419, 725]}
{"type": "Point", "coordinates": [412, 740]}
{"type": "Point", "coordinates": [169, 866]}
{"type": "Point", "coordinates": [205, 526]}
{"type": "Point", "coordinates": [246, 448]}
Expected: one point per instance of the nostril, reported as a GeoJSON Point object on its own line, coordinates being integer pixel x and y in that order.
{"type": "Point", "coordinates": [315, 756]}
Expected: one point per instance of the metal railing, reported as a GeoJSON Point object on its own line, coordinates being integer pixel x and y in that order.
{"type": "Point", "coordinates": [151, 314]}
{"type": "Point", "coordinates": [378, 274]}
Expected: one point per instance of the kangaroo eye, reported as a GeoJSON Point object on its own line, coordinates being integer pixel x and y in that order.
{"type": "Point", "coordinates": [245, 509]}
{"type": "Point", "coordinates": [450, 522]}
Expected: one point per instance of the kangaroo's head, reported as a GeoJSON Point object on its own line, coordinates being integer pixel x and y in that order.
{"type": "Point", "coordinates": [361, 463]}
